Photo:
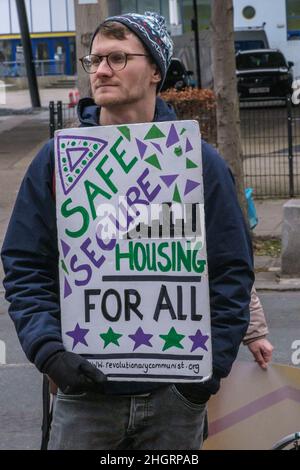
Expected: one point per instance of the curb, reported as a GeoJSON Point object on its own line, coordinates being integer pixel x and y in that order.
{"type": "Point", "coordinates": [22, 111]}
{"type": "Point", "coordinates": [283, 285]}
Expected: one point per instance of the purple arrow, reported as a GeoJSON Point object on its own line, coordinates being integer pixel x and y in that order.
{"type": "Point", "coordinates": [169, 179]}
{"type": "Point", "coordinates": [67, 290]}
{"type": "Point", "coordinates": [173, 137]}
{"type": "Point", "coordinates": [157, 146]}
{"type": "Point", "coordinates": [142, 147]}
{"type": "Point", "coordinates": [190, 186]}
{"type": "Point", "coordinates": [65, 247]}
{"type": "Point", "coordinates": [188, 146]}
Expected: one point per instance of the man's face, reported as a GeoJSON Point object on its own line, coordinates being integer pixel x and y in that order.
{"type": "Point", "coordinates": [128, 86]}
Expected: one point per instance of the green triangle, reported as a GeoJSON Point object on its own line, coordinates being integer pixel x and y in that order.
{"type": "Point", "coordinates": [153, 160]}
{"type": "Point", "coordinates": [183, 131]}
{"type": "Point", "coordinates": [64, 266]}
{"type": "Point", "coordinates": [190, 164]}
{"type": "Point", "coordinates": [126, 132]}
{"type": "Point", "coordinates": [176, 197]}
{"type": "Point", "coordinates": [154, 133]}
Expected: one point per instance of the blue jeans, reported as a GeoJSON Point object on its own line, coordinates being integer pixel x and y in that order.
{"type": "Point", "coordinates": [160, 420]}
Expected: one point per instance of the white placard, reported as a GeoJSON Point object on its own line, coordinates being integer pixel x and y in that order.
{"type": "Point", "coordinates": [133, 264]}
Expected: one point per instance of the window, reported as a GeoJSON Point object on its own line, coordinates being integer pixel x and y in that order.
{"type": "Point", "coordinates": [204, 14]}
{"type": "Point", "coordinates": [249, 12]}
{"type": "Point", "coordinates": [293, 19]}
{"type": "Point", "coordinates": [259, 60]}
{"type": "Point", "coordinates": [148, 5]}
{"type": "Point", "coordinates": [128, 6]}
{"type": "Point", "coordinates": [42, 51]}
{"type": "Point", "coordinates": [140, 6]}
{"type": "Point", "coordinates": [5, 50]}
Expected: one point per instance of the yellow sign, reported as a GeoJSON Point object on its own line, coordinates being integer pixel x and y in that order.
{"type": "Point", "coordinates": [254, 408]}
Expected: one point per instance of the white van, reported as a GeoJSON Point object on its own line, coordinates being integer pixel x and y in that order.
{"type": "Point", "coordinates": [250, 38]}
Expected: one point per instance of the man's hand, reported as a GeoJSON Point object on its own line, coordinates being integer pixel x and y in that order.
{"type": "Point", "coordinates": [73, 374]}
{"type": "Point", "coordinates": [262, 351]}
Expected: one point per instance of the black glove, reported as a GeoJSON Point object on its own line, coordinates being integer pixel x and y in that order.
{"type": "Point", "coordinates": [73, 374]}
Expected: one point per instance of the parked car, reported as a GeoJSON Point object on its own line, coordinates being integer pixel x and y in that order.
{"type": "Point", "coordinates": [263, 73]}
{"type": "Point", "coordinates": [178, 76]}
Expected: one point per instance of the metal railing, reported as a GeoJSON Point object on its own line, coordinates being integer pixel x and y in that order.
{"type": "Point", "coordinates": [270, 132]}
{"type": "Point", "coordinates": [61, 115]}
{"type": "Point", "coordinates": [42, 67]}
{"type": "Point", "coordinates": [270, 142]}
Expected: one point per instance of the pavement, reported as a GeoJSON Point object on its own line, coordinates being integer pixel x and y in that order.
{"type": "Point", "coordinates": [268, 275]}
{"type": "Point", "coordinates": [17, 101]}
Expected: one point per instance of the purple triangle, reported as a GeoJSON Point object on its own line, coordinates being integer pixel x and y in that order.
{"type": "Point", "coordinates": [173, 137]}
{"type": "Point", "coordinates": [157, 146]}
{"type": "Point", "coordinates": [73, 165]}
{"type": "Point", "coordinates": [68, 290]}
{"type": "Point", "coordinates": [62, 142]}
{"type": "Point", "coordinates": [169, 179]}
{"type": "Point", "coordinates": [142, 147]}
{"type": "Point", "coordinates": [188, 146]}
{"type": "Point", "coordinates": [65, 247]}
{"type": "Point", "coordinates": [190, 186]}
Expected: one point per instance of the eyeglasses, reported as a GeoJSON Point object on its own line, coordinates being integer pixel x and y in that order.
{"type": "Point", "coordinates": [116, 61]}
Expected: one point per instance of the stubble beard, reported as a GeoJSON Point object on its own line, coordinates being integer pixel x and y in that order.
{"type": "Point", "coordinates": [117, 101]}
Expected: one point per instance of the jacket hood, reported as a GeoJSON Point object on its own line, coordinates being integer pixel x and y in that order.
{"type": "Point", "coordinates": [88, 112]}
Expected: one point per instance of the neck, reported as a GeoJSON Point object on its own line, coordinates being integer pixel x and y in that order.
{"type": "Point", "coordinates": [137, 113]}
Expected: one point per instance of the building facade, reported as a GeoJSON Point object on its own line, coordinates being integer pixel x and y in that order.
{"type": "Point", "coordinates": [52, 25]}
{"type": "Point", "coordinates": [52, 28]}
{"type": "Point", "coordinates": [281, 19]}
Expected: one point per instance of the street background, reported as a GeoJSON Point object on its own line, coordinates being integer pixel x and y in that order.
{"type": "Point", "coordinates": [21, 384]}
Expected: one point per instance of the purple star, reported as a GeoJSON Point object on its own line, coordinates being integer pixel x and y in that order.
{"type": "Point", "coordinates": [140, 338]}
{"type": "Point", "coordinates": [78, 335]}
{"type": "Point", "coordinates": [199, 341]}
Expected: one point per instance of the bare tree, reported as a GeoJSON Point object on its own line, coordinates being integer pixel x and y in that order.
{"type": "Point", "coordinates": [225, 87]}
{"type": "Point", "coordinates": [87, 18]}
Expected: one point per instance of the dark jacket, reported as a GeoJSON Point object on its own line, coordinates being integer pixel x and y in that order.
{"type": "Point", "coordinates": [30, 260]}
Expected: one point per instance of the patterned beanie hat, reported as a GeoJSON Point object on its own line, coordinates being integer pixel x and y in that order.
{"type": "Point", "coordinates": [151, 29]}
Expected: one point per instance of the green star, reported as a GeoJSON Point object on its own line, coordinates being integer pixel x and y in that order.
{"type": "Point", "coordinates": [172, 339]}
{"type": "Point", "coordinates": [110, 337]}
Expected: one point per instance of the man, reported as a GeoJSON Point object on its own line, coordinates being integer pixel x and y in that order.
{"type": "Point", "coordinates": [129, 58]}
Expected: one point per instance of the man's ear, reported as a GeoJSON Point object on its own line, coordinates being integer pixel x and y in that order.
{"type": "Point", "coordinates": [156, 75]}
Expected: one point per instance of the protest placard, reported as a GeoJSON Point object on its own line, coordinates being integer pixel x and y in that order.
{"type": "Point", "coordinates": [133, 264]}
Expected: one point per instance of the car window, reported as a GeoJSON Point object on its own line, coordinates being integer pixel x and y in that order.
{"type": "Point", "coordinates": [258, 60]}
{"type": "Point", "coordinates": [245, 45]}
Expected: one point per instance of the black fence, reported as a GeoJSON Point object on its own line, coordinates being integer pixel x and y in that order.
{"type": "Point", "coordinates": [270, 133]}
{"type": "Point", "coordinates": [61, 115]}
